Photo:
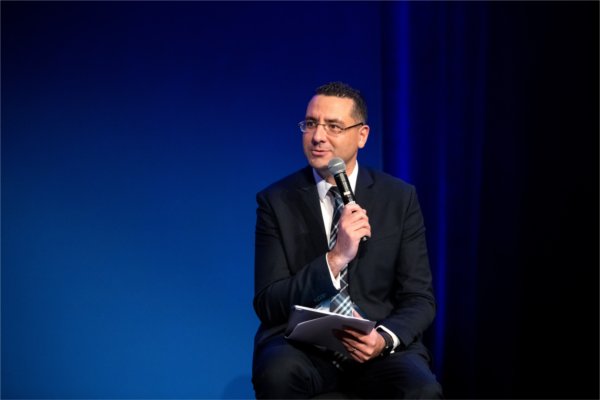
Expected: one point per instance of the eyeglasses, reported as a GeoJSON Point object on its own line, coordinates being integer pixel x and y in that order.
{"type": "Point", "coordinates": [330, 127]}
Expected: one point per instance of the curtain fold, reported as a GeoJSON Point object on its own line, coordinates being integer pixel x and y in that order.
{"type": "Point", "coordinates": [490, 110]}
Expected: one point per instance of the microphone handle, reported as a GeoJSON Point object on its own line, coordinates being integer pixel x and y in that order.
{"type": "Point", "coordinates": [346, 191]}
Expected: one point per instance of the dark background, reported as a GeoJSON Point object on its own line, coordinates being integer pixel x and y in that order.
{"type": "Point", "coordinates": [135, 135]}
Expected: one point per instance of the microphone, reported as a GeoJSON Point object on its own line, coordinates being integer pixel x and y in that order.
{"type": "Point", "coordinates": [337, 168]}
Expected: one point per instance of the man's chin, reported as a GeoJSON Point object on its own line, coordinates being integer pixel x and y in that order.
{"type": "Point", "coordinates": [320, 164]}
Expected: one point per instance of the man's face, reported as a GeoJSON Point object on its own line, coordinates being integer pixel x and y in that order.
{"type": "Point", "coordinates": [320, 146]}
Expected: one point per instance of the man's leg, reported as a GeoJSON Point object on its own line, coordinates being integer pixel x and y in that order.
{"type": "Point", "coordinates": [403, 375]}
{"type": "Point", "coordinates": [285, 371]}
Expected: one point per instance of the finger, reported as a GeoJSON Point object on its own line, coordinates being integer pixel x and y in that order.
{"type": "Point", "coordinates": [353, 223]}
{"type": "Point", "coordinates": [356, 236]}
{"type": "Point", "coordinates": [357, 356]}
{"type": "Point", "coordinates": [350, 337]}
{"type": "Point", "coordinates": [360, 354]}
{"type": "Point", "coordinates": [362, 345]}
{"type": "Point", "coordinates": [356, 215]}
{"type": "Point", "coordinates": [349, 343]}
{"type": "Point", "coordinates": [351, 207]}
{"type": "Point", "coordinates": [352, 334]}
{"type": "Point", "coordinates": [353, 351]}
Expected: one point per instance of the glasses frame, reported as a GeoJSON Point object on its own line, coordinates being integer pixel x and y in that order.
{"type": "Point", "coordinates": [302, 124]}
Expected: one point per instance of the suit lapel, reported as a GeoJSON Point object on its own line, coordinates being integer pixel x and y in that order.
{"type": "Point", "coordinates": [364, 189]}
{"type": "Point", "coordinates": [365, 197]}
{"type": "Point", "coordinates": [307, 198]}
{"type": "Point", "coordinates": [311, 209]}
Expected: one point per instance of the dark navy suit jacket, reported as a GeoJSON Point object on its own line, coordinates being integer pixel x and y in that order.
{"type": "Point", "coordinates": [390, 278]}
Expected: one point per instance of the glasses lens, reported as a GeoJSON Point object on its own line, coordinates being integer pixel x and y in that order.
{"type": "Point", "coordinates": [333, 128]}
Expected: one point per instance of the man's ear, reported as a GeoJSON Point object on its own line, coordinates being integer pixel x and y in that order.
{"type": "Point", "coordinates": [363, 135]}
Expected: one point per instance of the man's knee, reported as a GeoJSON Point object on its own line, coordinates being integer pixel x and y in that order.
{"type": "Point", "coordinates": [283, 374]}
{"type": "Point", "coordinates": [427, 390]}
{"type": "Point", "coordinates": [402, 376]}
{"type": "Point", "coordinates": [404, 390]}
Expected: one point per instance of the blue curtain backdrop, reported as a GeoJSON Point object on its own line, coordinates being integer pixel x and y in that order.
{"type": "Point", "coordinates": [135, 135]}
{"type": "Point", "coordinates": [491, 109]}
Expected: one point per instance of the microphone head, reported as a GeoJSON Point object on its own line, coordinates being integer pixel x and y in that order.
{"type": "Point", "coordinates": [336, 166]}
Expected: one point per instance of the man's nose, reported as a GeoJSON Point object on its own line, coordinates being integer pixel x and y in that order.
{"type": "Point", "coordinates": [319, 135]}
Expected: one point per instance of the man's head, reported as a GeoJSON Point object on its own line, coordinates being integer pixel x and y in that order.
{"type": "Point", "coordinates": [340, 89]}
{"type": "Point", "coordinates": [334, 126]}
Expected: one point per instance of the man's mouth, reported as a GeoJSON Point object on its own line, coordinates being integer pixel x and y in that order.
{"type": "Point", "coordinates": [319, 151]}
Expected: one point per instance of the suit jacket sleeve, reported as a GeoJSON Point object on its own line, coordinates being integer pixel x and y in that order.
{"type": "Point", "coordinates": [289, 270]}
{"type": "Point", "coordinates": [412, 304]}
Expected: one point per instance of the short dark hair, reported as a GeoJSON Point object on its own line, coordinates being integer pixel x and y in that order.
{"type": "Point", "coordinates": [341, 89]}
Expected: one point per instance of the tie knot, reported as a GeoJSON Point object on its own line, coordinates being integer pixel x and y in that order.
{"type": "Point", "coordinates": [337, 199]}
{"type": "Point", "coordinates": [335, 192]}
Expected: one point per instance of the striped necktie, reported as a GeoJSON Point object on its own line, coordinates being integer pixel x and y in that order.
{"type": "Point", "coordinates": [340, 303]}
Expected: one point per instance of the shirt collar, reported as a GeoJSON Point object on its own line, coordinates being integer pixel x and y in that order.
{"type": "Point", "coordinates": [323, 186]}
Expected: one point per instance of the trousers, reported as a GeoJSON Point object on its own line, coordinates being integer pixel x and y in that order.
{"type": "Point", "coordinates": [285, 370]}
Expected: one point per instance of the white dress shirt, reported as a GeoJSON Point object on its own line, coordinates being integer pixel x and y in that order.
{"type": "Point", "coordinates": [327, 208]}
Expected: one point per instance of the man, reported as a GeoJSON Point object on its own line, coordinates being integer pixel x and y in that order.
{"type": "Point", "coordinates": [388, 276]}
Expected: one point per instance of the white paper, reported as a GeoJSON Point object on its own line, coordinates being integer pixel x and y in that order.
{"type": "Point", "coordinates": [314, 326]}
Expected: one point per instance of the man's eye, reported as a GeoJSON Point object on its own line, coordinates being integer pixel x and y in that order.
{"type": "Point", "coordinates": [334, 127]}
{"type": "Point", "coordinates": [311, 124]}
